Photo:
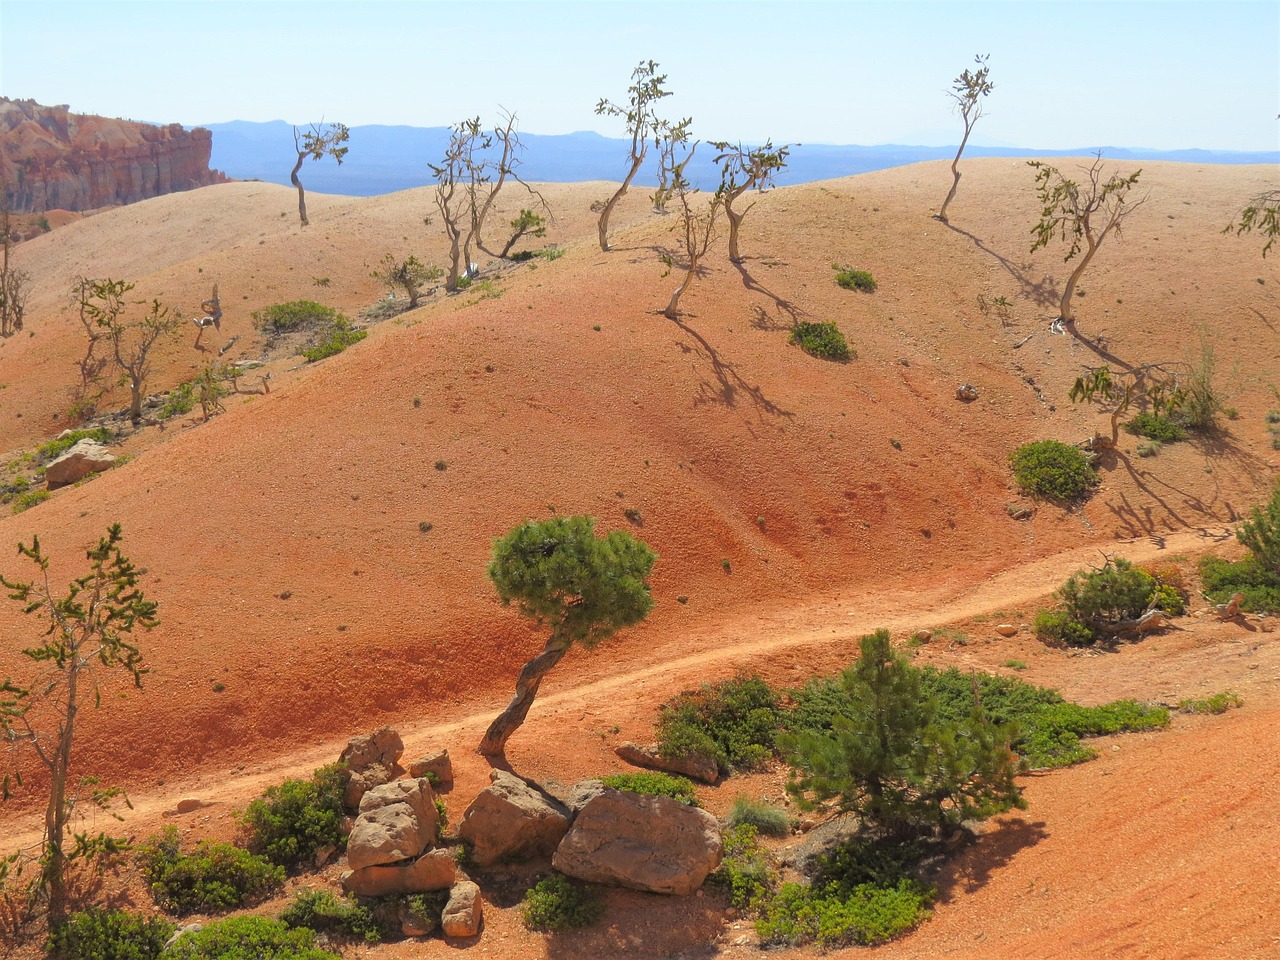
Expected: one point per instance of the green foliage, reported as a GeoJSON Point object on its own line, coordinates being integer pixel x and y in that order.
{"type": "Point", "coordinates": [216, 876]}
{"type": "Point", "coordinates": [56, 448]}
{"type": "Point", "coordinates": [559, 572]}
{"type": "Point", "coordinates": [1168, 599]}
{"type": "Point", "coordinates": [654, 783]}
{"type": "Point", "coordinates": [1053, 735]}
{"type": "Point", "coordinates": [179, 401]}
{"type": "Point", "coordinates": [1222, 578]}
{"type": "Point", "coordinates": [735, 721]}
{"type": "Point", "coordinates": [892, 760]}
{"type": "Point", "coordinates": [1102, 598]}
{"type": "Point", "coordinates": [868, 915]}
{"type": "Point", "coordinates": [1060, 628]}
{"type": "Point", "coordinates": [1153, 426]}
{"type": "Point", "coordinates": [765, 817]}
{"type": "Point", "coordinates": [1053, 470]}
{"type": "Point", "coordinates": [851, 279]}
{"type": "Point", "coordinates": [1214, 703]}
{"type": "Point", "coordinates": [1260, 534]}
{"type": "Point", "coordinates": [97, 934]}
{"type": "Point", "coordinates": [407, 275]}
{"type": "Point", "coordinates": [32, 498]}
{"type": "Point", "coordinates": [340, 336]}
{"type": "Point", "coordinates": [1262, 213]}
{"type": "Point", "coordinates": [822, 340]}
{"type": "Point", "coordinates": [294, 316]}
{"type": "Point", "coordinates": [557, 903]}
{"type": "Point", "coordinates": [745, 874]}
{"type": "Point", "coordinates": [248, 938]}
{"type": "Point", "coordinates": [290, 822]}
{"type": "Point", "coordinates": [321, 911]}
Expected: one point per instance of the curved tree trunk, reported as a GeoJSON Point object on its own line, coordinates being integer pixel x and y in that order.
{"type": "Point", "coordinates": [735, 220]}
{"type": "Point", "coordinates": [673, 308]}
{"type": "Point", "coordinates": [509, 721]}
{"type": "Point", "coordinates": [1064, 307]}
{"type": "Point", "coordinates": [613, 202]}
{"type": "Point", "coordinates": [302, 197]}
{"type": "Point", "coordinates": [955, 173]}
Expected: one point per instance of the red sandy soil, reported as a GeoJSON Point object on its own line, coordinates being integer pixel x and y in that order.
{"type": "Point", "coordinates": [315, 492]}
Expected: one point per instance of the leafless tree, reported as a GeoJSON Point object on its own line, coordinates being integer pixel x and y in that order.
{"type": "Point", "coordinates": [968, 91]}
{"type": "Point", "coordinates": [317, 142]}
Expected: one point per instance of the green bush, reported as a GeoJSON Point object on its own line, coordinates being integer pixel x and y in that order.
{"type": "Point", "coordinates": [25, 501]}
{"type": "Point", "coordinates": [1261, 533]}
{"type": "Point", "coordinates": [216, 876]}
{"type": "Point", "coordinates": [1169, 599]}
{"type": "Point", "coordinates": [767, 819]}
{"type": "Point", "coordinates": [56, 448]}
{"type": "Point", "coordinates": [339, 337]}
{"type": "Point", "coordinates": [745, 874]}
{"type": "Point", "coordinates": [1053, 470]}
{"type": "Point", "coordinates": [557, 903]}
{"type": "Point", "coordinates": [179, 401]}
{"type": "Point", "coordinates": [248, 938]}
{"type": "Point", "coordinates": [1153, 426]}
{"type": "Point", "coordinates": [868, 915]}
{"type": "Point", "coordinates": [1059, 627]}
{"type": "Point", "coordinates": [321, 911]}
{"type": "Point", "coordinates": [1215, 703]}
{"type": "Point", "coordinates": [822, 340]}
{"type": "Point", "coordinates": [1222, 578]}
{"type": "Point", "coordinates": [851, 279]}
{"type": "Point", "coordinates": [1106, 596]}
{"type": "Point", "coordinates": [290, 822]}
{"type": "Point", "coordinates": [296, 315]}
{"type": "Point", "coordinates": [110, 935]}
{"type": "Point", "coordinates": [735, 721]}
{"type": "Point", "coordinates": [654, 784]}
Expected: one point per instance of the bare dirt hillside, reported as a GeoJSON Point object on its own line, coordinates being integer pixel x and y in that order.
{"type": "Point", "coordinates": [303, 601]}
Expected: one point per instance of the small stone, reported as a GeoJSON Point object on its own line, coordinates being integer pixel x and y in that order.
{"type": "Point", "coordinates": [189, 805]}
{"type": "Point", "coordinates": [463, 913]}
{"type": "Point", "coordinates": [924, 636]}
{"type": "Point", "coordinates": [1006, 629]}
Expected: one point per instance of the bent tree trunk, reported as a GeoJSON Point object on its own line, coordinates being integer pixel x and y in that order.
{"type": "Point", "coordinates": [673, 308]}
{"type": "Point", "coordinates": [302, 197]}
{"type": "Point", "coordinates": [1064, 308]}
{"type": "Point", "coordinates": [613, 202]}
{"type": "Point", "coordinates": [735, 221]}
{"type": "Point", "coordinates": [509, 721]}
{"type": "Point", "coordinates": [955, 173]}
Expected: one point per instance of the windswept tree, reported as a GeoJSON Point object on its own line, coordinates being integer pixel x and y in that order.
{"type": "Point", "coordinates": [968, 91]}
{"type": "Point", "coordinates": [457, 176]}
{"type": "Point", "coordinates": [408, 276]}
{"type": "Point", "coordinates": [670, 143]}
{"type": "Point", "coordinates": [1082, 213]}
{"type": "Point", "coordinates": [1262, 213]}
{"type": "Point", "coordinates": [527, 224]}
{"type": "Point", "coordinates": [105, 306]}
{"type": "Point", "coordinates": [317, 142]}
{"type": "Point", "coordinates": [1157, 387]}
{"type": "Point", "coordinates": [696, 228]}
{"type": "Point", "coordinates": [87, 633]}
{"type": "Point", "coordinates": [586, 588]}
{"type": "Point", "coordinates": [743, 169]}
{"type": "Point", "coordinates": [646, 89]}
{"type": "Point", "coordinates": [486, 182]}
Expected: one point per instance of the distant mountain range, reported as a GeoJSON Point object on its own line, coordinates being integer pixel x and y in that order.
{"type": "Point", "coordinates": [385, 159]}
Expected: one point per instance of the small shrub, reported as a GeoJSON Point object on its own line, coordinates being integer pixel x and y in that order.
{"type": "Point", "coordinates": [549, 253]}
{"type": "Point", "coordinates": [1168, 599]}
{"type": "Point", "coordinates": [1273, 416]}
{"type": "Point", "coordinates": [851, 279]}
{"type": "Point", "coordinates": [557, 903]}
{"type": "Point", "coordinates": [1153, 426]}
{"type": "Point", "coordinates": [1150, 448]}
{"type": "Point", "coordinates": [1222, 578]}
{"type": "Point", "coordinates": [216, 876]}
{"type": "Point", "coordinates": [822, 340]}
{"type": "Point", "coordinates": [1260, 534]}
{"type": "Point", "coordinates": [656, 784]}
{"type": "Point", "coordinates": [290, 822]}
{"type": "Point", "coordinates": [868, 915]}
{"type": "Point", "coordinates": [248, 938]}
{"type": "Point", "coordinates": [735, 721]}
{"type": "Point", "coordinates": [56, 448]}
{"type": "Point", "coordinates": [1215, 703]}
{"type": "Point", "coordinates": [1102, 598]}
{"type": "Point", "coordinates": [340, 336]}
{"type": "Point", "coordinates": [1053, 470]}
{"type": "Point", "coordinates": [1015, 664]}
{"type": "Point", "coordinates": [767, 819]}
{"type": "Point", "coordinates": [295, 315]}
{"type": "Point", "coordinates": [321, 911]}
{"type": "Point", "coordinates": [178, 401]}
{"type": "Point", "coordinates": [25, 501]}
{"type": "Point", "coordinates": [99, 934]}
{"type": "Point", "coordinates": [745, 875]}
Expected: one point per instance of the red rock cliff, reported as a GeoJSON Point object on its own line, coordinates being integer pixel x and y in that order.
{"type": "Point", "coordinates": [52, 159]}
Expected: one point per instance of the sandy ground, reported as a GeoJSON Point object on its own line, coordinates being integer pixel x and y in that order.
{"type": "Point", "coordinates": [283, 542]}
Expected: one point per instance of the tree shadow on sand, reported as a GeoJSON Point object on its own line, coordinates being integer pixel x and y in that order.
{"type": "Point", "coordinates": [786, 314]}
{"type": "Point", "coordinates": [1043, 292]}
{"type": "Point", "coordinates": [971, 870]}
{"type": "Point", "coordinates": [726, 385]}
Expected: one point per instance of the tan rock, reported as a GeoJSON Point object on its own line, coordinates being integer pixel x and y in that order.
{"type": "Point", "coordinates": [437, 763]}
{"type": "Point", "coordinates": [434, 870]}
{"type": "Point", "coordinates": [697, 766]}
{"type": "Point", "coordinates": [512, 818]}
{"type": "Point", "coordinates": [86, 457]}
{"type": "Point", "coordinates": [463, 913]}
{"type": "Point", "coordinates": [397, 821]}
{"type": "Point", "coordinates": [1006, 629]}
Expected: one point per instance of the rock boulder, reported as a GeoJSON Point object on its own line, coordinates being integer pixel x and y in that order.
{"type": "Point", "coordinates": [511, 819]}
{"type": "Point", "coordinates": [462, 914]}
{"type": "Point", "coordinates": [86, 457]}
{"type": "Point", "coordinates": [397, 821]}
{"type": "Point", "coordinates": [696, 766]}
{"type": "Point", "coordinates": [434, 870]}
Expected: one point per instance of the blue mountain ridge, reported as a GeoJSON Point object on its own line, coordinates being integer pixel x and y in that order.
{"type": "Point", "coordinates": [386, 159]}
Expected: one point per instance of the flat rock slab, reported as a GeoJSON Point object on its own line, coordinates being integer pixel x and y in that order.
{"type": "Point", "coordinates": [436, 870]}
{"type": "Point", "coordinates": [696, 766]}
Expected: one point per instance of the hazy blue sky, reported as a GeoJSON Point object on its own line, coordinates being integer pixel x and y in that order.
{"type": "Point", "coordinates": [1160, 75]}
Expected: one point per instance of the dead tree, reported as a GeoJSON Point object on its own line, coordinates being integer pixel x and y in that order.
{"type": "Point", "coordinates": [212, 316]}
{"type": "Point", "coordinates": [483, 185]}
{"type": "Point", "coordinates": [318, 142]}
{"type": "Point", "coordinates": [460, 174]}
{"type": "Point", "coordinates": [14, 283]}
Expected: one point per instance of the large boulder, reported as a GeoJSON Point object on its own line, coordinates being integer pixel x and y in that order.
{"type": "Point", "coordinates": [642, 842]}
{"type": "Point", "coordinates": [512, 818]}
{"type": "Point", "coordinates": [86, 457]}
{"type": "Point", "coordinates": [371, 761]}
{"type": "Point", "coordinates": [462, 914]}
{"type": "Point", "coordinates": [397, 821]}
{"type": "Point", "coordinates": [697, 766]}
{"type": "Point", "coordinates": [434, 870]}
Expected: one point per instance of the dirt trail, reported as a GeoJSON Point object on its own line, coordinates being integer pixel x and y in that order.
{"type": "Point", "coordinates": [820, 638]}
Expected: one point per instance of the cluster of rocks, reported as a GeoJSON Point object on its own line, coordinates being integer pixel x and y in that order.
{"type": "Point", "coordinates": [595, 833]}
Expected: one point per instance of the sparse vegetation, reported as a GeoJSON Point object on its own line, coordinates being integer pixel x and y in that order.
{"type": "Point", "coordinates": [98, 934]}
{"type": "Point", "coordinates": [746, 874]}
{"type": "Point", "coordinates": [321, 911]}
{"type": "Point", "coordinates": [294, 316]}
{"type": "Point", "coordinates": [765, 817]}
{"type": "Point", "coordinates": [851, 279]}
{"type": "Point", "coordinates": [248, 938]}
{"type": "Point", "coordinates": [408, 276]}
{"type": "Point", "coordinates": [735, 721]}
{"type": "Point", "coordinates": [654, 783]}
{"type": "Point", "coordinates": [1214, 703]}
{"type": "Point", "coordinates": [968, 91]}
{"type": "Point", "coordinates": [822, 340]}
{"type": "Point", "coordinates": [340, 336]}
{"type": "Point", "coordinates": [557, 903]}
{"type": "Point", "coordinates": [1153, 426]}
{"type": "Point", "coordinates": [1053, 470]}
